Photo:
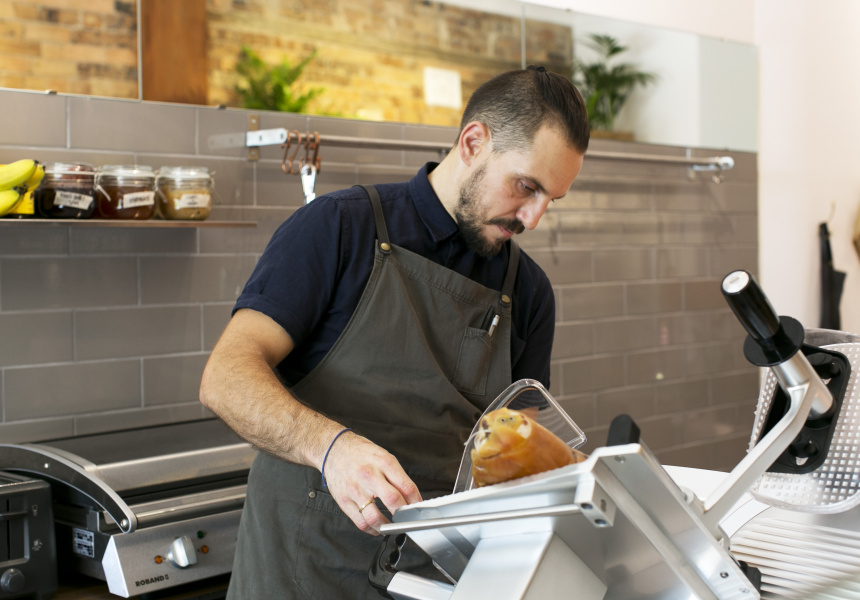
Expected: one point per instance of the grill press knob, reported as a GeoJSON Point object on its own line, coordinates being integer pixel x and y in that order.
{"type": "Point", "coordinates": [182, 553]}
{"type": "Point", "coordinates": [12, 581]}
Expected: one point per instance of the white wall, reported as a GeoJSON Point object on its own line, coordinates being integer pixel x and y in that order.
{"type": "Point", "coordinates": [808, 132]}
{"type": "Point", "coordinates": [809, 138]}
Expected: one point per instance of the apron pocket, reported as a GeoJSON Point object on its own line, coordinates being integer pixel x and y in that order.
{"type": "Point", "coordinates": [334, 554]}
{"type": "Point", "coordinates": [473, 362]}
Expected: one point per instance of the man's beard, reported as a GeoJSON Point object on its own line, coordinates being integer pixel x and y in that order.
{"type": "Point", "coordinates": [470, 221]}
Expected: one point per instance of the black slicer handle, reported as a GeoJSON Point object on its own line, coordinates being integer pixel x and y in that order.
{"type": "Point", "coordinates": [772, 339]}
{"type": "Point", "coordinates": [750, 305]}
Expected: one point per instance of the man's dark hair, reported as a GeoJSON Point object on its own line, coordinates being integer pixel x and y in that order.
{"type": "Point", "coordinates": [515, 104]}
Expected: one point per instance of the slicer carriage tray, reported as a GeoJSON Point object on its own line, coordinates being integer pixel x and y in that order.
{"type": "Point", "coordinates": [617, 515]}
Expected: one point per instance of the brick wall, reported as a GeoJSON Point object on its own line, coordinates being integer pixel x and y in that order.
{"type": "Point", "coordinates": [106, 328]}
{"type": "Point", "coordinates": [370, 56]}
{"type": "Point", "coordinates": [372, 53]}
{"type": "Point", "coordinates": [71, 46]}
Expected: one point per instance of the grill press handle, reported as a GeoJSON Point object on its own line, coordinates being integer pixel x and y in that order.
{"type": "Point", "coordinates": [772, 339]}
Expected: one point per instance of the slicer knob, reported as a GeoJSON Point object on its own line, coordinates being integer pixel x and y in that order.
{"type": "Point", "coordinates": [182, 553]}
{"type": "Point", "coordinates": [12, 580]}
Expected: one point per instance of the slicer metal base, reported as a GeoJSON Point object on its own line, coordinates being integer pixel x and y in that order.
{"type": "Point", "coordinates": [532, 566]}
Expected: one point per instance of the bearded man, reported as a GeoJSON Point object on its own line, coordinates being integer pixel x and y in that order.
{"type": "Point", "coordinates": [377, 326]}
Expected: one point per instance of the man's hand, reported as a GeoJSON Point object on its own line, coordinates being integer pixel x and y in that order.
{"type": "Point", "coordinates": [357, 472]}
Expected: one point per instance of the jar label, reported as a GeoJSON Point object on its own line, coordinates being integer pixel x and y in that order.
{"type": "Point", "coordinates": [138, 199]}
{"type": "Point", "coordinates": [193, 201]}
{"type": "Point", "coordinates": [73, 200]}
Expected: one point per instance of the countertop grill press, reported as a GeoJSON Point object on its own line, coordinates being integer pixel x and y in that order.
{"type": "Point", "coordinates": [28, 552]}
{"type": "Point", "coordinates": [784, 523]}
{"type": "Point", "coordinates": [143, 509]}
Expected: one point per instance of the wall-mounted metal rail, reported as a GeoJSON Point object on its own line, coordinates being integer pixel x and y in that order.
{"type": "Point", "coordinates": [718, 164]}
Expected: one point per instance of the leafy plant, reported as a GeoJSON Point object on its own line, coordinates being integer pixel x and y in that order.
{"type": "Point", "coordinates": [267, 87]}
{"type": "Point", "coordinates": [607, 87]}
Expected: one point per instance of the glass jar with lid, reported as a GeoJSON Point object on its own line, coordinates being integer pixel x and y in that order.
{"type": "Point", "coordinates": [184, 193]}
{"type": "Point", "coordinates": [125, 192]}
{"type": "Point", "coordinates": [66, 191]}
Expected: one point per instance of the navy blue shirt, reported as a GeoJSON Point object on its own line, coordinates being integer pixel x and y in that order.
{"type": "Point", "coordinates": [313, 271]}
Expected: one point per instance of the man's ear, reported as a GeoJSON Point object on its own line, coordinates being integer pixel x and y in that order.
{"type": "Point", "coordinates": [474, 139]}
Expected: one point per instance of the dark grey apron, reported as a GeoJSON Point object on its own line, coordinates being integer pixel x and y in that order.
{"type": "Point", "coordinates": [413, 371]}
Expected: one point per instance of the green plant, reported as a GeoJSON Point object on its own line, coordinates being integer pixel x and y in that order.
{"type": "Point", "coordinates": [267, 87]}
{"type": "Point", "coordinates": [606, 87]}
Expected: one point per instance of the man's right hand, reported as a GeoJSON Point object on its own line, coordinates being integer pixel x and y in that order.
{"type": "Point", "coordinates": [358, 472]}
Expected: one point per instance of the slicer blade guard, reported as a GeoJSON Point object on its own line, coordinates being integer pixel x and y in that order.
{"type": "Point", "coordinates": [835, 485]}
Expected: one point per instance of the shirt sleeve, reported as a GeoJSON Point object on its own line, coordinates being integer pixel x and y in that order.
{"type": "Point", "coordinates": [297, 273]}
{"type": "Point", "coordinates": [532, 336]}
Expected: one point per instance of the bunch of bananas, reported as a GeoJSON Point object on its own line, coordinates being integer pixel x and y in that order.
{"type": "Point", "coordinates": [18, 179]}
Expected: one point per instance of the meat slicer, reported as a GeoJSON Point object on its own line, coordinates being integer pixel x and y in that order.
{"type": "Point", "coordinates": [783, 523]}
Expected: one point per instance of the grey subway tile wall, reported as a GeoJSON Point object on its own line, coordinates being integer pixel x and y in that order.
{"type": "Point", "coordinates": [37, 429]}
{"type": "Point", "coordinates": [106, 328]}
{"type": "Point", "coordinates": [173, 379]}
{"type": "Point", "coordinates": [29, 338]}
{"type": "Point", "coordinates": [127, 125]}
{"type": "Point", "coordinates": [52, 118]}
{"type": "Point", "coordinates": [131, 241]}
{"type": "Point", "coordinates": [34, 241]}
{"type": "Point", "coordinates": [83, 387]}
{"type": "Point", "coordinates": [47, 282]}
{"type": "Point", "coordinates": [218, 278]}
{"type": "Point", "coordinates": [676, 396]}
{"type": "Point", "coordinates": [136, 331]}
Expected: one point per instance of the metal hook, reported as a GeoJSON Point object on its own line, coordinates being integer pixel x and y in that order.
{"type": "Point", "coordinates": [718, 177]}
{"type": "Point", "coordinates": [286, 146]}
{"type": "Point", "coordinates": [311, 143]}
{"type": "Point", "coordinates": [296, 151]}
{"type": "Point", "coordinates": [305, 160]}
{"type": "Point", "coordinates": [317, 162]}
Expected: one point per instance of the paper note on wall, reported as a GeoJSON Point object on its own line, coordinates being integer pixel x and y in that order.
{"type": "Point", "coordinates": [442, 88]}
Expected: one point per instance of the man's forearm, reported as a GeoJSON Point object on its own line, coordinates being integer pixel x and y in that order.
{"type": "Point", "coordinates": [240, 387]}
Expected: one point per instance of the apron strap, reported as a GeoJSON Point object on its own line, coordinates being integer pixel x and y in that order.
{"type": "Point", "coordinates": [510, 277]}
{"type": "Point", "coordinates": [381, 229]}
{"type": "Point", "coordinates": [382, 235]}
